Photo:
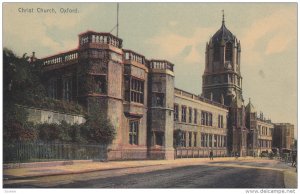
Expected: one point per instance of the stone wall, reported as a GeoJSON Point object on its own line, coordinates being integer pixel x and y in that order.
{"type": "Point", "coordinates": [37, 115]}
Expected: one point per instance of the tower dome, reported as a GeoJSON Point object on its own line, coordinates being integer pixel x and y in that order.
{"type": "Point", "coordinates": [223, 34]}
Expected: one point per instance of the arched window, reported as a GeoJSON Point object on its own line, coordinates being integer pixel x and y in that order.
{"type": "Point", "coordinates": [228, 51]}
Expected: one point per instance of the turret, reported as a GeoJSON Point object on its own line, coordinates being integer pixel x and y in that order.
{"type": "Point", "coordinates": [100, 71]}
{"type": "Point", "coordinates": [222, 67]}
{"type": "Point", "coordinates": [160, 114]}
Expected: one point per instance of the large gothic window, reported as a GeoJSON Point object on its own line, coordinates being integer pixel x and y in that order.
{"type": "Point", "coordinates": [228, 51]}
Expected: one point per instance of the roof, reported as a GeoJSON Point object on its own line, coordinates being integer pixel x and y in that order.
{"type": "Point", "coordinates": [223, 34]}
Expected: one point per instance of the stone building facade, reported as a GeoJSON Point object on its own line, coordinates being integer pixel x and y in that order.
{"type": "Point", "coordinates": [150, 115]}
{"type": "Point", "coordinates": [260, 138]}
{"type": "Point", "coordinates": [202, 123]}
{"type": "Point", "coordinates": [283, 136]}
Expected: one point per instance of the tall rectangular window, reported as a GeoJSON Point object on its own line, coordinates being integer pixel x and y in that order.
{"type": "Point", "coordinates": [217, 52]}
{"type": "Point", "coordinates": [190, 139]}
{"type": "Point", "coordinates": [133, 132]}
{"type": "Point", "coordinates": [67, 88]}
{"type": "Point", "coordinates": [206, 118]}
{"type": "Point", "coordinates": [195, 139]}
{"type": "Point", "coordinates": [175, 112]}
{"type": "Point", "coordinates": [202, 118]}
{"type": "Point", "coordinates": [190, 115]}
{"type": "Point", "coordinates": [220, 121]}
{"type": "Point", "coordinates": [228, 52]}
{"type": "Point", "coordinates": [158, 99]}
{"type": "Point", "coordinates": [183, 139]}
{"type": "Point", "coordinates": [127, 88]}
{"type": "Point", "coordinates": [100, 84]}
{"type": "Point", "coordinates": [183, 114]}
{"type": "Point", "coordinates": [137, 91]}
{"type": "Point", "coordinates": [52, 89]}
{"type": "Point", "coordinates": [202, 139]}
{"type": "Point", "coordinates": [215, 140]}
{"type": "Point", "coordinates": [195, 116]}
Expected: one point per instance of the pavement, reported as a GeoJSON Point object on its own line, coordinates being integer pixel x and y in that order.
{"type": "Point", "coordinates": [41, 169]}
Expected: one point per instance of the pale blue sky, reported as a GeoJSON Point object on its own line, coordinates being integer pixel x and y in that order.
{"type": "Point", "coordinates": [178, 33]}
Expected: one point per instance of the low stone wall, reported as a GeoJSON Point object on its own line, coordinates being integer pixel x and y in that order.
{"type": "Point", "coordinates": [37, 115]}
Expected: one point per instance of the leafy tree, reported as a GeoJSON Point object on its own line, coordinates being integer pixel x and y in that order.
{"type": "Point", "coordinates": [21, 79]}
{"type": "Point", "coordinates": [20, 83]}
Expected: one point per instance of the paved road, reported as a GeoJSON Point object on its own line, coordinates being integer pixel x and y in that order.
{"type": "Point", "coordinates": [233, 174]}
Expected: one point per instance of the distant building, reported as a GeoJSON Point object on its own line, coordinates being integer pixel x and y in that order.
{"type": "Point", "coordinates": [283, 136]}
{"type": "Point", "coordinates": [260, 131]}
{"type": "Point", "coordinates": [139, 97]}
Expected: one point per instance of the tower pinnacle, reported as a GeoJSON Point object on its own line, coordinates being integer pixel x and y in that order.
{"type": "Point", "coordinates": [223, 21]}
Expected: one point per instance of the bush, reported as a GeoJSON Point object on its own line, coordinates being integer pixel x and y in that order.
{"type": "Point", "coordinates": [76, 134]}
{"type": "Point", "coordinates": [15, 125]}
{"type": "Point", "coordinates": [98, 129]}
{"type": "Point", "coordinates": [48, 131]}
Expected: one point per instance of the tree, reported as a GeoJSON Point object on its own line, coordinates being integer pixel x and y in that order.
{"type": "Point", "coordinates": [20, 84]}
{"type": "Point", "coordinates": [21, 79]}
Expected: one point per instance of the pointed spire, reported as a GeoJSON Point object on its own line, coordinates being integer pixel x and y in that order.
{"type": "Point", "coordinates": [223, 21]}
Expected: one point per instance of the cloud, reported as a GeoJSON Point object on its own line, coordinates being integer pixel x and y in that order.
{"type": "Point", "coordinates": [278, 44]}
{"type": "Point", "coordinates": [269, 35]}
{"type": "Point", "coordinates": [170, 45]}
{"type": "Point", "coordinates": [32, 30]}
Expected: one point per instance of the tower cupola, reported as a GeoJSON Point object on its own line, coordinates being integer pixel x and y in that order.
{"type": "Point", "coordinates": [222, 78]}
{"type": "Point", "coordinates": [223, 35]}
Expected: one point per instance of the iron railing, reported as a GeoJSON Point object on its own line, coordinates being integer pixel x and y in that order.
{"type": "Point", "coordinates": [20, 152]}
{"type": "Point", "coordinates": [181, 152]}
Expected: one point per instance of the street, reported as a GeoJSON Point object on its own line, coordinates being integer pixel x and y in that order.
{"type": "Point", "coordinates": [225, 174]}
